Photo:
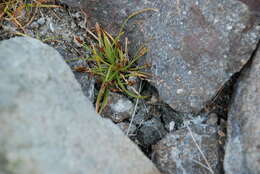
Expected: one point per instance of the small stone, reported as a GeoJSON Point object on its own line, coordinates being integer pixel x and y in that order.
{"type": "Point", "coordinates": [41, 21]}
{"type": "Point", "coordinates": [171, 126]}
{"type": "Point", "coordinates": [213, 119]}
{"type": "Point", "coordinates": [179, 91]}
{"type": "Point", "coordinates": [151, 132]}
{"type": "Point", "coordinates": [141, 115]}
{"type": "Point", "coordinates": [34, 25]}
{"type": "Point", "coordinates": [118, 108]}
{"type": "Point", "coordinates": [51, 27]}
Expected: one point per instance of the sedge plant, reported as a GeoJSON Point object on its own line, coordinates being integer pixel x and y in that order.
{"type": "Point", "coordinates": [112, 65]}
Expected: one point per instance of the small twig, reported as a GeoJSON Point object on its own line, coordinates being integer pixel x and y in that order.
{"type": "Point", "coordinates": [146, 110]}
{"type": "Point", "coordinates": [203, 156]}
{"type": "Point", "coordinates": [133, 113]}
{"type": "Point", "coordinates": [199, 163]}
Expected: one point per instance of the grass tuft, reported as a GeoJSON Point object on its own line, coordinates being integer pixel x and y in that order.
{"type": "Point", "coordinates": [111, 64]}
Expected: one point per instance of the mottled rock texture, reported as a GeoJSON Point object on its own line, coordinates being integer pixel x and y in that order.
{"type": "Point", "coordinates": [119, 108]}
{"type": "Point", "coordinates": [242, 154]}
{"type": "Point", "coordinates": [72, 3]}
{"type": "Point", "coordinates": [151, 132]}
{"type": "Point", "coordinates": [195, 46]}
{"type": "Point", "coordinates": [178, 154]}
{"type": "Point", "coordinates": [47, 125]}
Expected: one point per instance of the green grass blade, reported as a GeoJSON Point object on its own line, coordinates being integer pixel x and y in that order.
{"type": "Point", "coordinates": [123, 88]}
{"type": "Point", "coordinates": [105, 100]}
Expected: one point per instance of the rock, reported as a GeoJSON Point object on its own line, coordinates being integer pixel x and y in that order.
{"type": "Point", "coordinates": [86, 82]}
{"type": "Point", "coordinates": [141, 115]}
{"type": "Point", "coordinates": [170, 117]}
{"type": "Point", "coordinates": [178, 154]}
{"type": "Point", "coordinates": [41, 21]}
{"type": "Point", "coordinates": [254, 6]}
{"type": "Point", "coordinates": [151, 132]}
{"type": "Point", "coordinates": [72, 3]}
{"type": "Point", "coordinates": [194, 46]}
{"type": "Point", "coordinates": [242, 153]}
{"type": "Point", "coordinates": [124, 127]}
{"type": "Point", "coordinates": [63, 40]}
{"type": "Point", "coordinates": [118, 108]}
{"type": "Point", "coordinates": [213, 119]}
{"type": "Point", "coordinates": [48, 126]}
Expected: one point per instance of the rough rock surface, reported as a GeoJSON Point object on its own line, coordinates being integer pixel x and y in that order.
{"type": "Point", "coordinates": [195, 46]}
{"type": "Point", "coordinates": [151, 132]}
{"type": "Point", "coordinates": [125, 126]}
{"type": "Point", "coordinates": [118, 108]}
{"type": "Point", "coordinates": [48, 126]}
{"type": "Point", "coordinates": [72, 3]}
{"type": "Point", "coordinates": [243, 145]}
{"type": "Point", "coordinates": [178, 154]}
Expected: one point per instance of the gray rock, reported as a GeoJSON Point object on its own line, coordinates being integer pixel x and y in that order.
{"type": "Point", "coordinates": [151, 132]}
{"type": "Point", "coordinates": [195, 46]}
{"type": "Point", "coordinates": [212, 119]}
{"type": "Point", "coordinates": [254, 6]}
{"type": "Point", "coordinates": [118, 108]}
{"type": "Point", "coordinates": [48, 126]}
{"type": "Point", "coordinates": [178, 154]}
{"type": "Point", "coordinates": [72, 3]}
{"type": "Point", "coordinates": [86, 82]}
{"type": "Point", "coordinates": [41, 21]}
{"type": "Point", "coordinates": [242, 155]}
{"type": "Point", "coordinates": [142, 115]}
{"type": "Point", "coordinates": [124, 127]}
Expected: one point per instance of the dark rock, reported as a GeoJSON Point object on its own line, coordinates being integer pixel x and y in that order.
{"type": "Point", "coordinates": [47, 125]}
{"type": "Point", "coordinates": [195, 46]}
{"type": "Point", "coordinates": [118, 108]}
{"type": "Point", "coordinates": [142, 115]}
{"type": "Point", "coordinates": [242, 155]}
{"type": "Point", "coordinates": [151, 132]}
{"type": "Point", "coordinates": [178, 154]}
{"type": "Point", "coordinates": [170, 117]}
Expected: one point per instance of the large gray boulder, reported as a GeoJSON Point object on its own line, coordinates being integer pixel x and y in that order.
{"type": "Point", "coordinates": [195, 46]}
{"type": "Point", "coordinates": [47, 125]}
{"type": "Point", "coordinates": [242, 154]}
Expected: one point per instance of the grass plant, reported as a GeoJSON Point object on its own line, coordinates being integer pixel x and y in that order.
{"type": "Point", "coordinates": [111, 64]}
